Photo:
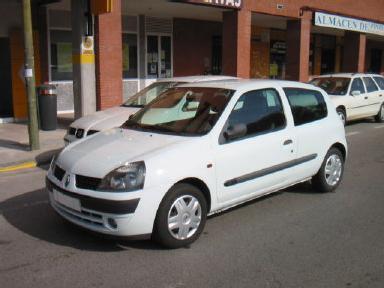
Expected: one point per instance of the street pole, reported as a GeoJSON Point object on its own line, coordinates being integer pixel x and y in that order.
{"type": "Point", "coordinates": [29, 74]}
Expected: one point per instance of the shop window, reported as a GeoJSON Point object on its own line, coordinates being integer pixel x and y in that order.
{"type": "Point", "coordinates": [216, 55]}
{"type": "Point", "coordinates": [159, 56]}
{"type": "Point", "coordinates": [129, 56]}
{"type": "Point", "coordinates": [61, 55]}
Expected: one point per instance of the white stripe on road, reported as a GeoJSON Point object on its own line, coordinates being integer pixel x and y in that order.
{"type": "Point", "coordinates": [379, 127]}
{"type": "Point", "coordinates": [352, 133]}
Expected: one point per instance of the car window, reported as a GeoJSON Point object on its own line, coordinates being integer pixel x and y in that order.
{"type": "Point", "coordinates": [370, 84]}
{"type": "Point", "coordinates": [333, 85]}
{"type": "Point", "coordinates": [379, 81]}
{"type": "Point", "coordinates": [357, 85]}
{"type": "Point", "coordinates": [187, 111]}
{"type": "Point", "coordinates": [260, 110]}
{"type": "Point", "coordinates": [306, 105]}
{"type": "Point", "coordinates": [149, 93]}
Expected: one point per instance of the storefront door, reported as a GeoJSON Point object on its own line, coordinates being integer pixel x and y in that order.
{"type": "Point", "coordinates": [159, 56]}
{"type": "Point", "coordinates": [5, 79]}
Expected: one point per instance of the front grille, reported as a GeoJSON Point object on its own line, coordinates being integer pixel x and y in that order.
{"type": "Point", "coordinates": [72, 131]}
{"type": "Point", "coordinates": [59, 173]}
{"type": "Point", "coordinates": [86, 217]}
{"type": "Point", "coordinates": [79, 133]}
{"type": "Point", "coordinates": [85, 182]}
{"type": "Point", "coordinates": [91, 132]}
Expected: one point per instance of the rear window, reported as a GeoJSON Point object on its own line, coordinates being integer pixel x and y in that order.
{"type": "Point", "coordinates": [306, 105]}
{"type": "Point", "coordinates": [370, 84]}
{"type": "Point", "coordinates": [379, 81]}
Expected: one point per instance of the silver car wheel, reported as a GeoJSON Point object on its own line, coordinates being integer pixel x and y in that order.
{"type": "Point", "coordinates": [184, 217]}
{"type": "Point", "coordinates": [333, 169]}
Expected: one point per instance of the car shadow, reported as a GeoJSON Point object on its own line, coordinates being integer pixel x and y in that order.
{"type": "Point", "coordinates": [351, 123]}
{"type": "Point", "coordinates": [32, 214]}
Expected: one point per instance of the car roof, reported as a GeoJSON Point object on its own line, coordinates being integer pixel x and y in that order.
{"type": "Point", "coordinates": [197, 78]}
{"type": "Point", "coordinates": [236, 84]}
{"type": "Point", "coordinates": [347, 75]}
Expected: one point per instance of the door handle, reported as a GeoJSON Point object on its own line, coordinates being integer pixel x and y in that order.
{"type": "Point", "coordinates": [366, 97]}
{"type": "Point", "coordinates": [381, 95]}
{"type": "Point", "coordinates": [287, 142]}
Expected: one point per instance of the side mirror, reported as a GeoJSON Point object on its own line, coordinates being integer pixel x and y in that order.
{"type": "Point", "coordinates": [235, 131]}
{"type": "Point", "coordinates": [355, 93]}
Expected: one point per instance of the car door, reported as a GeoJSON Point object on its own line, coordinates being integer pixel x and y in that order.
{"type": "Point", "coordinates": [372, 96]}
{"type": "Point", "coordinates": [357, 104]}
{"type": "Point", "coordinates": [309, 109]}
{"type": "Point", "coordinates": [251, 163]}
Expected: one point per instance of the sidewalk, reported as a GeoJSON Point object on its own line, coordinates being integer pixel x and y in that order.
{"type": "Point", "coordinates": [14, 144]}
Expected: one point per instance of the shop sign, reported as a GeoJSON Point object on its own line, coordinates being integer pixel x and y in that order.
{"type": "Point", "coordinates": [235, 4]}
{"type": "Point", "coordinates": [350, 24]}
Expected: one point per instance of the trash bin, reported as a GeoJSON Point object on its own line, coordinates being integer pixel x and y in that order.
{"type": "Point", "coordinates": [47, 99]}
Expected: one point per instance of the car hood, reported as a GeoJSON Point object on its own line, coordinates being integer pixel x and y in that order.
{"type": "Point", "coordinates": [97, 155]}
{"type": "Point", "coordinates": [102, 120]}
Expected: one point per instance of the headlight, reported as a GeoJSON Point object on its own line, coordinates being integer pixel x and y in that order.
{"type": "Point", "coordinates": [126, 178]}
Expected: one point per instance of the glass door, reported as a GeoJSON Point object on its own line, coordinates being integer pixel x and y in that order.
{"type": "Point", "coordinates": [159, 56]}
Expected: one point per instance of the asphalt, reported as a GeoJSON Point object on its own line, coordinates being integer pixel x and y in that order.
{"type": "Point", "coordinates": [294, 238]}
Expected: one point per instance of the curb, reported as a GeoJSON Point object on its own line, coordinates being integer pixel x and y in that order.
{"type": "Point", "coordinates": [28, 163]}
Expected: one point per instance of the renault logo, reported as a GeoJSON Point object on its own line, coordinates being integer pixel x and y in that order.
{"type": "Point", "coordinates": [67, 180]}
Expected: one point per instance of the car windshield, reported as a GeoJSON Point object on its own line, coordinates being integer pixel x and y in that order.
{"type": "Point", "coordinates": [333, 85]}
{"type": "Point", "coordinates": [182, 111]}
{"type": "Point", "coordinates": [149, 93]}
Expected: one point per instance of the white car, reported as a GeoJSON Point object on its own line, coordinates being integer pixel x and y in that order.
{"type": "Point", "coordinates": [197, 150]}
{"type": "Point", "coordinates": [116, 116]}
{"type": "Point", "coordinates": [355, 96]}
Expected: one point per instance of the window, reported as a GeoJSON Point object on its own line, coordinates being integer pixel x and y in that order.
{"type": "Point", "coordinates": [357, 85]}
{"type": "Point", "coordinates": [130, 56]}
{"type": "Point", "coordinates": [380, 82]}
{"type": "Point", "coordinates": [61, 55]}
{"type": "Point", "coordinates": [370, 84]}
{"type": "Point", "coordinates": [159, 56]}
{"type": "Point", "coordinates": [306, 105]}
{"type": "Point", "coordinates": [260, 110]}
{"type": "Point", "coordinates": [191, 111]}
{"type": "Point", "coordinates": [333, 85]}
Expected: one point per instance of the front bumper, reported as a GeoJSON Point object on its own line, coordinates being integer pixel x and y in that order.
{"type": "Point", "coordinates": [130, 217]}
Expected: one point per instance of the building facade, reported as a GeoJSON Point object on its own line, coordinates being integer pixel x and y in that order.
{"type": "Point", "coordinates": [136, 42]}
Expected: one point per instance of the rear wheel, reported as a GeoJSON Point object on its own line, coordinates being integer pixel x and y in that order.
{"type": "Point", "coordinates": [342, 115]}
{"type": "Point", "coordinates": [380, 116]}
{"type": "Point", "coordinates": [181, 216]}
{"type": "Point", "coordinates": [330, 173]}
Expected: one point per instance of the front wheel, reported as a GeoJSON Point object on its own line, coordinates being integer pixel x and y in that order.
{"type": "Point", "coordinates": [331, 172]}
{"type": "Point", "coordinates": [181, 216]}
{"type": "Point", "coordinates": [380, 116]}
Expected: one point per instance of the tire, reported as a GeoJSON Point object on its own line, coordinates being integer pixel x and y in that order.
{"type": "Point", "coordinates": [380, 116]}
{"type": "Point", "coordinates": [333, 163]}
{"type": "Point", "coordinates": [342, 115]}
{"type": "Point", "coordinates": [187, 206]}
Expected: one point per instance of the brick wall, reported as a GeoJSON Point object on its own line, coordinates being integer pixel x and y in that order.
{"type": "Point", "coordinates": [108, 50]}
{"type": "Point", "coordinates": [237, 43]}
{"type": "Point", "coordinates": [192, 44]}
